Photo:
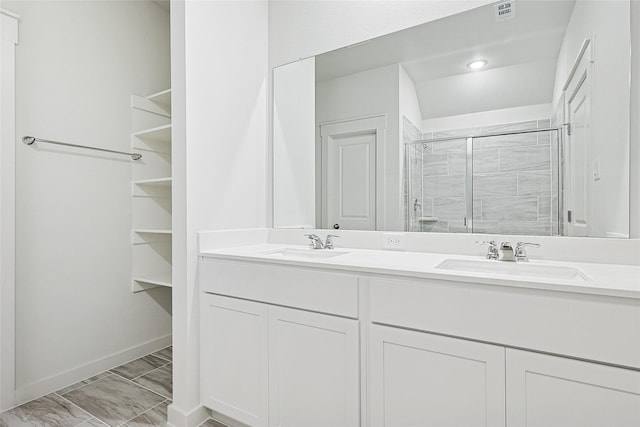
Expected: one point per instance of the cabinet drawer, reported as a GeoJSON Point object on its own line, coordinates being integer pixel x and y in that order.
{"type": "Point", "coordinates": [592, 327]}
{"type": "Point", "coordinates": [308, 289]}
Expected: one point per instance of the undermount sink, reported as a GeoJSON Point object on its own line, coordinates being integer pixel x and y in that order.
{"type": "Point", "coordinates": [306, 253]}
{"type": "Point", "coordinates": [513, 269]}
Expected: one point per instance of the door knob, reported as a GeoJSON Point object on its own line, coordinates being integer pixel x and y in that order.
{"type": "Point", "coordinates": [336, 226]}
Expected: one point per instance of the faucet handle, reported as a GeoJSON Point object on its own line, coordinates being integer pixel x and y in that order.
{"type": "Point", "coordinates": [523, 244]}
{"type": "Point", "coordinates": [520, 253]}
{"type": "Point", "coordinates": [492, 251]}
{"type": "Point", "coordinates": [328, 243]}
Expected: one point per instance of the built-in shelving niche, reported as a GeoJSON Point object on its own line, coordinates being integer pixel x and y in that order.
{"type": "Point", "coordinates": [151, 191]}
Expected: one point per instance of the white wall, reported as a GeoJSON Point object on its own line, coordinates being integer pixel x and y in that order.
{"type": "Point", "coordinates": [219, 78]}
{"type": "Point", "coordinates": [77, 65]}
{"type": "Point", "coordinates": [369, 93]}
{"type": "Point", "coordinates": [294, 145]}
{"type": "Point", "coordinates": [600, 22]}
{"type": "Point", "coordinates": [9, 39]}
{"type": "Point", "coordinates": [409, 105]}
{"type": "Point", "coordinates": [298, 29]}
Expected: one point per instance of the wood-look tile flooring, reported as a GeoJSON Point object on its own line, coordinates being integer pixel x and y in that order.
{"type": "Point", "coordinates": [135, 394]}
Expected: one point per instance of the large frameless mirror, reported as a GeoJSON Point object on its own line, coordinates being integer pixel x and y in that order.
{"type": "Point", "coordinates": [511, 118]}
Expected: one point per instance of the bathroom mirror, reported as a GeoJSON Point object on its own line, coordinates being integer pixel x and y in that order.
{"type": "Point", "coordinates": [511, 118]}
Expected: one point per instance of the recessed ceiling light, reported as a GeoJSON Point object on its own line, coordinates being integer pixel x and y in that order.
{"type": "Point", "coordinates": [477, 64]}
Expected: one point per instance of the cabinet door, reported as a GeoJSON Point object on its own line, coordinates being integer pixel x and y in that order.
{"type": "Point", "coordinates": [549, 391]}
{"type": "Point", "coordinates": [313, 369]}
{"type": "Point", "coordinates": [423, 380]}
{"type": "Point", "coordinates": [234, 362]}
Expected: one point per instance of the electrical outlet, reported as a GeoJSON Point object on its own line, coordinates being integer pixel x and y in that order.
{"type": "Point", "coordinates": [393, 241]}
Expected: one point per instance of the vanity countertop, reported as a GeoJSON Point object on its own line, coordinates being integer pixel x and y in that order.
{"type": "Point", "coordinates": [601, 279]}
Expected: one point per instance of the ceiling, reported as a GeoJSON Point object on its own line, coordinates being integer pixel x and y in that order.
{"type": "Point", "coordinates": [522, 53]}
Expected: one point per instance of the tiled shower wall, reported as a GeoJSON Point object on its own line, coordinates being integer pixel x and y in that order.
{"type": "Point", "coordinates": [514, 183]}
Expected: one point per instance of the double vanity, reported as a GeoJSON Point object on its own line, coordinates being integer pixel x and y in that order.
{"type": "Point", "coordinates": [364, 337]}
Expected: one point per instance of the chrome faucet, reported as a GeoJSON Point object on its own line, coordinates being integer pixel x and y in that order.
{"type": "Point", "coordinates": [316, 241]}
{"type": "Point", "coordinates": [506, 252]}
{"type": "Point", "coordinates": [492, 250]}
{"type": "Point", "coordinates": [520, 253]}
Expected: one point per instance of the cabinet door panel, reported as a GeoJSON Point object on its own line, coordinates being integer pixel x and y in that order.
{"type": "Point", "coordinates": [549, 391]}
{"type": "Point", "coordinates": [313, 369]}
{"type": "Point", "coordinates": [422, 380]}
{"type": "Point", "coordinates": [234, 362]}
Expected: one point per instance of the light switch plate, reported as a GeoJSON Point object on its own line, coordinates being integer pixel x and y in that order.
{"type": "Point", "coordinates": [596, 169]}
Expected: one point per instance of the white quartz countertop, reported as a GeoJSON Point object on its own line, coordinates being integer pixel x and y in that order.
{"type": "Point", "coordinates": [596, 279]}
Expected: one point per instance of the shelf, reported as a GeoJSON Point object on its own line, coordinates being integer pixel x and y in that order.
{"type": "Point", "coordinates": [159, 134]}
{"type": "Point", "coordinates": [160, 182]}
{"type": "Point", "coordinates": [152, 231]}
{"type": "Point", "coordinates": [151, 191]}
{"type": "Point", "coordinates": [159, 103]}
{"type": "Point", "coordinates": [163, 97]}
{"type": "Point", "coordinates": [428, 219]}
{"type": "Point", "coordinates": [146, 281]}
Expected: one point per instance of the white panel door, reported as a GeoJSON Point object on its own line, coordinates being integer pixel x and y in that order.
{"type": "Point", "coordinates": [578, 174]}
{"type": "Point", "coordinates": [353, 174]}
{"type": "Point", "coordinates": [313, 370]}
{"type": "Point", "coordinates": [351, 181]}
{"type": "Point", "coordinates": [548, 391]}
{"type": "Point", "coordinates": [234, 358]}
{"type": "Point", "coordinates": [424, 380]}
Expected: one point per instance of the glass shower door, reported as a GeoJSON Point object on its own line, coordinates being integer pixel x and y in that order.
{"type": "Point", "coordinates": [514, 183]}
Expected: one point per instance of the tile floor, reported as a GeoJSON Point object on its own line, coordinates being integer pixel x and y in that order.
{"type": "Point", "coordinates": [135, 394]}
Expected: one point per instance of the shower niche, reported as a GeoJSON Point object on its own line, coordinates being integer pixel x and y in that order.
{"type": "Point", "coordinates": [151, 191]}
{"type": "Point", "coordinates": [501, 179]}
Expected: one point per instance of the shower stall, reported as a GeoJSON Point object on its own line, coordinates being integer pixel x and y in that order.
{"type": "Point", "coordinates": [499, 180]}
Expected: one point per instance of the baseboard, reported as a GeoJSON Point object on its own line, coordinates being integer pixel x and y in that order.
{"type": "Point", "coordinates": [178, 418]}
{"type": "Point", "coordinates": [227, 421]}
{"type": "Point", "coordinates": [56, 382]}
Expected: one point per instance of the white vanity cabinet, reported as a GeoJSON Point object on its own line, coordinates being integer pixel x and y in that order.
{"type": "Point", "coordinates": [305, 345]}
{"type": "Point", "coordinates": [267, 365]}
{"type": "Point", "coordinates": [419, 375]}
{"type": "Point", "coordinates": [314, 377]}
{"type": "Point", "coordinates": [545, 390]}
{"type": "Point", "coordinates": [420, 379]}
{"type": "Point", "coordinates": [234, 364]}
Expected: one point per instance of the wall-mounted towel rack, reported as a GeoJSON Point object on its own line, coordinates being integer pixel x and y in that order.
{"type": "Point", "coordinates": [30, 140]}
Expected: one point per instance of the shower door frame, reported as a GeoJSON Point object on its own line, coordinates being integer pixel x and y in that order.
{"type": "Point", "coordinates": [468, 220]}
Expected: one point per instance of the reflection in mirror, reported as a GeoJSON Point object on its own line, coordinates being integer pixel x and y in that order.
{"type": "Point", "coordinates": [471, 123]}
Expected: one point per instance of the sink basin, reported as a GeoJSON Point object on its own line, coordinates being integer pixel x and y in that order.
{"type": "Point", "coordinates": [513, 269]}
{"type": "Point", "coordinates": [305, 253]}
